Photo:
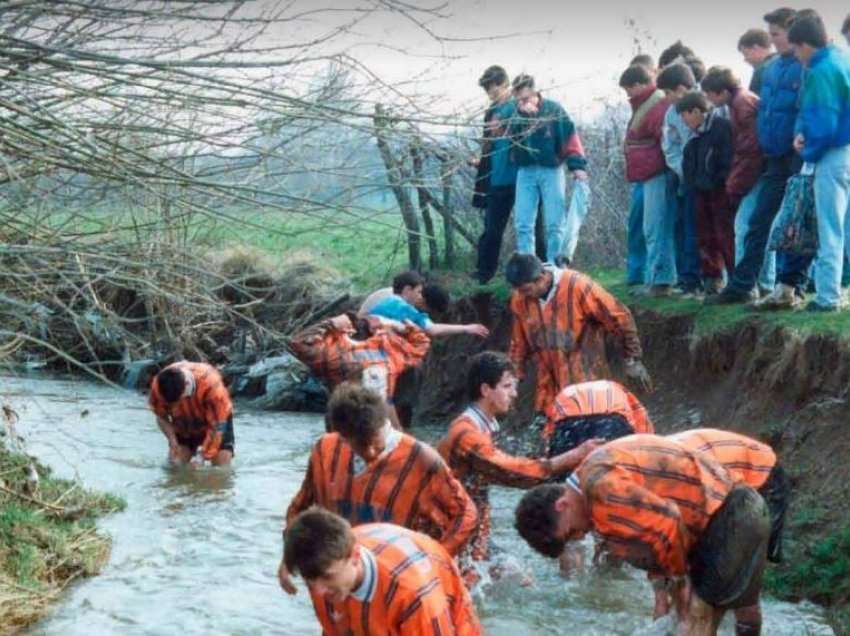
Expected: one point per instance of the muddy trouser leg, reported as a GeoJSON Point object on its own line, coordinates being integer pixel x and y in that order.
{"type": "Point", "coordinates": [571, 432]}
{"type": "Point", "coordinates": [776, 493]}
{"type": "Point", "coordinates": [727, 563]}
{"type": "Point", "coordinates": [748, 621]}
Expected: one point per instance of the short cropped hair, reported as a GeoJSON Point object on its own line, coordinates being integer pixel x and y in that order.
{"type": "Point", "coordinates": [171, 384]}
{"type": "Point", "coordinates": [643, 59]}
{"type": "Point", "coordinates": [493, 76]}
{"type": "Point", "coordinates": [356, 412]}
{"type": "Point", "coordinates": [487, 367]}
{"type": "Point", "coordinates": [523, 80]}
{"type": "Point", "coordinates": [676, 75]}
{"type": "Point", "coordinates": [719, 79]}
{"type": "Point", "coordinates": [407, 279]}
{"type": "Point", "coordinates": [436, 297]}
{"type": "Point", "coordinates": [754, 37]}
{"type": "Point", "coordinates": [315, 540]}
{"type": "Point", "coordinates": [781, 17]}
{"type": "Point", "coordinates": [694, 100]}
{"type": "Point", "coordinates": [678, 52]}
{"type": "Point", "coordinates": [536, 519]}
{"type": "Point", "coordinates": [809, 30]}
{"type": "Point", "coordinates": [522, 268]}
{"type": "Point", "coordinates": [635, 75]}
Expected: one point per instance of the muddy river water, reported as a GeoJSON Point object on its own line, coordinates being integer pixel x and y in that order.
{"type": "Point", "coordinates": [195, 552]}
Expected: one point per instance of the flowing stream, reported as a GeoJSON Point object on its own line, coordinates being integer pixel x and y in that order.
{"type": "Point", "coordinates": [195, 552]}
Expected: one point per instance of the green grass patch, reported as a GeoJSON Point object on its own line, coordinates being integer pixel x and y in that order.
{"type": "Point", "coordinates": [48, 537]}
{"type": "Point", "coordinates": [719, 318]}
{"type": "Point", "coordinates": [820, 571]}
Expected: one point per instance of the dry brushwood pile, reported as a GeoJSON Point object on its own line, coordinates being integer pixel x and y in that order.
{"type": "Point", "coordinates": [48, 537]}
{"type": "Point", "coordinates": [83, 306]}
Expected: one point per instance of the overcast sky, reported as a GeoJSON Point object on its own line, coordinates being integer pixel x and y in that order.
{"type": "Point", "coordinates": [576, 49]}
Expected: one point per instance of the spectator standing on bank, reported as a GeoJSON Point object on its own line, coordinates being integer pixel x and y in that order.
{"type": "Point", "coordinates": [757, 50]}
{"type": "Point", "coordinates": [823, 139]}
{"type": "Point", "coordinates": [543, 138]}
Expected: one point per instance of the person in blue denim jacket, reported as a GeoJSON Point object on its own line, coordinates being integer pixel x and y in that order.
{"type": "Point", "coordinates": [823, 140]}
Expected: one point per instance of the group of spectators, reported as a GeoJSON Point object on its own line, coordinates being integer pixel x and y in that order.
{"type": "Point", "coordinates": [708, 160]}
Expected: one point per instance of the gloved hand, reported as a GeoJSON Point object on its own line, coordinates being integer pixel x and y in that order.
{"type": "Point", "coordinates": [637, 373]}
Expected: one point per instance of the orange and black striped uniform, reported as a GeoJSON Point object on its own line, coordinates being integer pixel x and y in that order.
{"type": "Point", "coordinates": [470, 450]}
{"type": "Point", "coordinates": [599, 397]}
{"type": "Point", "coordinates": [565, 333]}
{"type": "Point", "coordinates": [409, 485]}
{"type": "Point", "coordinates": [650, 499]}
{"type": "Point", "coordinates": [411, 586]}
{"type": "Point", "coordinates": [334, 357]}
{"type": "Point", "coordinates": [746, 459]}
{"type": "Point", "coordinates": [196, 417]}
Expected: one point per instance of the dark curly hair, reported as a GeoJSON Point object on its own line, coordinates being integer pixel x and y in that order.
{"type": "Point", "coordinates": [536, 519]}
{"type": "Point", "coordinates": [487, 367]}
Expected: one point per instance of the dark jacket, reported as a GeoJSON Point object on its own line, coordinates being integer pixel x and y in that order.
{"type": "Point", "coordinates": [758, 73]}
{"type": "Point", "coordinates": [547, 138]}
{"type": "Point", "coordinates": [747, 159]}
{"type": "Point", "coordinates": [482, 175]}
{"type": "Point", "coordinates": [779, 106]}
{"type": "Point", "coordinates": [708, 156]}
{"type": "Point", "coordinates": [644, 156]}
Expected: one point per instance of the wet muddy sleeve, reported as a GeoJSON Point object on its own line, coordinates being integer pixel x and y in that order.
{"type": "Point", "coordinates": [518, 351]}
{"type": "Point", "coordinates": [635, 524]}
{"type": "Point", "coordinates": [306, 495]}
{"type": "Point", "coordinates": [639, 417]}
{"type": "Point", "coordinates": [450, 508]}
{"type": "Point", "coordinates": [218, 412]}
{"type": "Point", "coordinates": [483, 457]}
{"type": "Point", "coordinates": [613, 315]}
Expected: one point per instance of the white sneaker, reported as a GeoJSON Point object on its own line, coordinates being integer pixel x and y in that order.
{"type": "Point", "coordinates": [782, 297]}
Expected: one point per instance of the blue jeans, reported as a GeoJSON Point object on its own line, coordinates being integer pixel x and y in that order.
{"type": "Point", "coordinates": [767, 274]}
{"type": "Point", "coordinates": [635, 244]}
{"type": "Point", "coordinates": [832, 199]}
{"type": "Point", "coordinates": [658, 225]}
{"type": "Point", "coordinates": [687, 250]}
{"type": "Point", "coordinates": [533, 184]}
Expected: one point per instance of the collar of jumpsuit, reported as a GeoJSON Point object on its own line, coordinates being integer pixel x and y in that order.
{"type": "Point", "coordinates": [190, 384]}
{"type": "Point", "coordinates": [556, 278]}
{"type": "Point", "coordinates": [365, 592]}
{"type": "Point", "coordinates": [391, 436]}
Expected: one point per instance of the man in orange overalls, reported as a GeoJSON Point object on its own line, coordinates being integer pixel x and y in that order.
{"type": "Point", "coordinates": [378, 579]}
{"type": "Point", "coordinates": [193, 410]}
{"type": "Point", "coordinates": [366, 471]}
{"type": "Point", "coordinates": [374, 353]}
{"type": "Point", "coordinates": [560, 319]}
{"type": "Point", "coordinates": [666, 509]}
{"type": "Point", "coordinates": [470, 448]}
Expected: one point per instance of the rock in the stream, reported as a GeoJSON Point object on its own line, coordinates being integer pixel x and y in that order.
{"type": "Point", "coordinates": [137, 374]}
{"type": "Point", "coordinates": [289, 386]}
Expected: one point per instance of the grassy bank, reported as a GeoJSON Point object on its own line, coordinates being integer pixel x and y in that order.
{"type": "Point", "coordinates": [48, 537]}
